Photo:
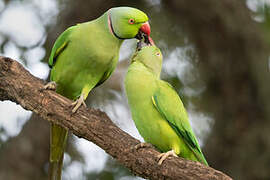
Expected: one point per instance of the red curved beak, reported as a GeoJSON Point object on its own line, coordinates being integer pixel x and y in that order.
{"type": "Point", "coordinates": [151, 41]}
{"type": "Point", "coordinates": [145, 28]}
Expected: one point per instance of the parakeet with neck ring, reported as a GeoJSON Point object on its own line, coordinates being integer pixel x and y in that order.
{"type": "Point", "coordinates": [83, 57]}
{"type": "Point", "coordinates": [157, 110]}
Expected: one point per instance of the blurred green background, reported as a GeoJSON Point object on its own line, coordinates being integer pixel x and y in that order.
{"type": "Point", "coordinates": [216, 55]}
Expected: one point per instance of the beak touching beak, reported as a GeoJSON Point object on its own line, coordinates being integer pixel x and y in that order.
{"type": "Point", "coordinates": [145, 31]}
{"type": "Point", "coordinates": [145, 28]}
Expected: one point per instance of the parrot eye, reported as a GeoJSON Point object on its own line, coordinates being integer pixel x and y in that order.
{"type": "Point", "coordinates": [158, 54]}
{"type": "Point", "coordinates": [131, 21]}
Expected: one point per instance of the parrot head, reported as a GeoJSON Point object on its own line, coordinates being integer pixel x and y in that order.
{"type": "Point", "coordinates": [151, 57]}
{"type": "Point", "coordinates": [127, 23]}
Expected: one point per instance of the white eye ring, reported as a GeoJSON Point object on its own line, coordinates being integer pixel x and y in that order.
{"type": "Point", "coordinates": [158, 54]}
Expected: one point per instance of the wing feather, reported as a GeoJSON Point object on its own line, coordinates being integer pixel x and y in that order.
{"type": "Point", "coordinates": [170, 106]}
{"type": "Point", "coordinates": [59, 46]}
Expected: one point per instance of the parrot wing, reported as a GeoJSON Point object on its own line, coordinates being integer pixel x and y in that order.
{"type": "Point", "coordinates": [60, 44]}
{"type": "Point", "coordinates": [170, 106]}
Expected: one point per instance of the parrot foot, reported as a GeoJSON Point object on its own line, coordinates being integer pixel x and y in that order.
{"type": "Point", "coordinates": [163, 156]}
{"type": "Point", "coordinates": [50, 86]}
{"type": "Point", "coordinates": [78, 103]}
{"type": "Point", "coordinates": [142, 145]}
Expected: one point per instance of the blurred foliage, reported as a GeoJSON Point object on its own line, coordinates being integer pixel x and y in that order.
{"type": "Point", "coordinates": [112, 171]}
{"type": "Point", "coordinates": [264, 12]}
{"type": "Point", "coordinates": [2, 133]}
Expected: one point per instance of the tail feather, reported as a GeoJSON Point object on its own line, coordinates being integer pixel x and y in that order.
{"type": "Point", "coordinates": [199, 156]}
{"type": "Point", "coordinates": [57, 147]}
{"type": "Point", "coordinates": [203, 160]}
{"type": "Point", "coordinates": [55, 170]}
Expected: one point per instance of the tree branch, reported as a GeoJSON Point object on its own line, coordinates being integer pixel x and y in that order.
{"type": "Point", "coordinates": [19, 86]}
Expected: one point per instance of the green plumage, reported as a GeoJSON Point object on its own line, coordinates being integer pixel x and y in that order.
{"type": "Point", "coordinates": [83, 57]}
{"type": "Point", "coordinates": [156, 108]}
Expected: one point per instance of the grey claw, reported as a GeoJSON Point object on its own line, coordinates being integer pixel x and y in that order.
{"type": "Point", "coordinates": [78, 103]}
{"type": "Point", "coordinates": [164, 156]}
{"type": "Point", "coordinates": [50, 86]}
{"type": "Point", "coordinates": [142, 145]}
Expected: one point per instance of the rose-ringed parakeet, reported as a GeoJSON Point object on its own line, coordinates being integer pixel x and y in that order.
{"type": "Point", "coordinates": [157, 110]}
{"type": "Point", "coordinates": [83, 57]}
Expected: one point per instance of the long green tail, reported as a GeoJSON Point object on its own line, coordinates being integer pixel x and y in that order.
{"type": "Point", "coordinates": [57, 147]}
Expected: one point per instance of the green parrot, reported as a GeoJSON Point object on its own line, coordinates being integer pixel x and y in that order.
{"type": "Point", "coordinates": [157, 110]}
{"type": "Point", "coordinates": [83, 57]}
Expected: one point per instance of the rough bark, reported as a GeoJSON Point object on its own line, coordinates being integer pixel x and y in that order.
{"type": "Point", "coordinates": [24, 163]}
{"type": "Point", "coordinates": [19, 86]}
